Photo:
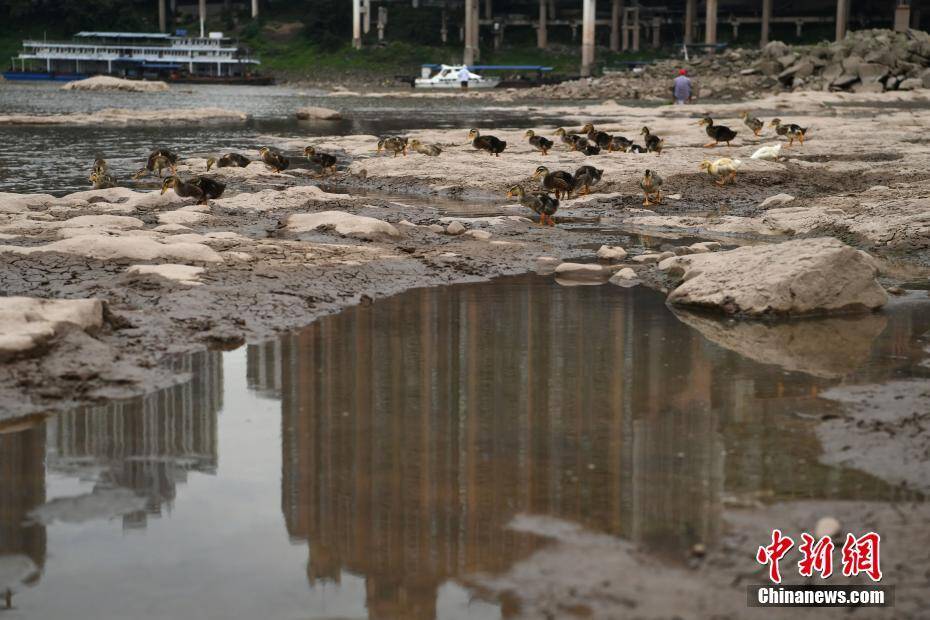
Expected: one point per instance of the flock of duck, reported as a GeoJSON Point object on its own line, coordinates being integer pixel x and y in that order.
{"type": "Point", "coordinates": [560, 183]}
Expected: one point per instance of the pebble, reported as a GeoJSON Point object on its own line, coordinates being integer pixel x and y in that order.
{"type": "Point", "coordinates": [455, 228]}
{"type": "Point", "coordinates": [611, 252]}
{"type": "Point", "coordinates": [826, 526]}
{"type": "Point", "coordinates": [481, 235]}
{"type": "Point", "coordinates": [626, 277]}
{"type": "Point", "coordinates": [645, 259]}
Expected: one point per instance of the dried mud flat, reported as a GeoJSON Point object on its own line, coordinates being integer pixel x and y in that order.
{"type": "Point", "coordinates": [277, 251]}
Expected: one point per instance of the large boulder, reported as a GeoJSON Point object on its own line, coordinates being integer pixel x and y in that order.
{"type": "Point", "coordinates": [794, 278]}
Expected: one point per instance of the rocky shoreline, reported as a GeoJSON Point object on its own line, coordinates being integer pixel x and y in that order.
{"type": "Point", "coordinates": [866, 61]}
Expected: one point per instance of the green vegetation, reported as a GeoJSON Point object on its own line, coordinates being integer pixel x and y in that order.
{"type": "Point", "coordinates": [311, 39]}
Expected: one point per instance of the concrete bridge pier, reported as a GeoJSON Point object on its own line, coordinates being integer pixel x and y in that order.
{"type": "Point", "coordinates": [469, 57]}
{"type": "Point", "coordinates": [690, 18]}
{"type": "Point", "coordinates": [254, 8]}
{"type": "Point", "coordinates": [203, 16]}
{"type": "Point", "coordinates": [615, 12]}
{"type": "Point", "coordinates": [766, 22]}
{"type": "Point", "coordinates": [710, 30]}
{"type": "Point", "coordinates": [842, 16]}
{"type": "Point", "coordinates": [588, 15]}
{"type": "Point", "coordinates": [357, 24]}
{"type": "Point", "coordinates": [162, 16]}
{"type": "Point", "coordinates": [542, 34]}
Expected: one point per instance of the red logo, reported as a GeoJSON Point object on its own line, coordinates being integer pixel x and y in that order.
{"type": "Point", "coordinates": [860, 555]}
{"type": "Point", "coordinates": [773, 553]}
{"type": "Point", "coordinates": [817, 557]}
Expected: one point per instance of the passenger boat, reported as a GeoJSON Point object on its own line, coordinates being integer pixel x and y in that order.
{"type": "Point", "coordinates": [174, 57]}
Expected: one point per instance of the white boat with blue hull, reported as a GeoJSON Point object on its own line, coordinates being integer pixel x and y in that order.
{"type": "Point", "coordinates": [447, 76]}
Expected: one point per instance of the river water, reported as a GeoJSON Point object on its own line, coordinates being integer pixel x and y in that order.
{"type": "Point", "coordinates": [366, 465]}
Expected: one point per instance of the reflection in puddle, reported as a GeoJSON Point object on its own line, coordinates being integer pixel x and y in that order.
{"type": "Point", "coordinates": [365, 465]}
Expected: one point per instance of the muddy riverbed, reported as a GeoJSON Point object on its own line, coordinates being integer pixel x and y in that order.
{"type": "Point", "coordinates": [549, 406]}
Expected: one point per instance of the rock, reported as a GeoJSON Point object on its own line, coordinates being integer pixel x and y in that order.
{"type": "Point", "coordinates": [184, 274]}
{"type": "Point", "coordinates": [851, 64]}
{"type": "Point", "coordinates": [581, 271]}
{"type": "Point", "coordinates": [682, 250]}
{"type": "Point", "coordinates": [181, 217]}
{"type": "Point", "coordinates": [124, 116]}
{"type": "Point", "coordinates": [318, 114]}
{"type": "Point", "coordinates": [106, 247]}
{"type": "Point", "coordinates": [774, 49]}
{"type": "Point", "coordinates": [832, 72]}
{"type": "Point", "coordinates": [436, 228]}
{"type": "Point", "coordinates": [702, 247]}
{"type": "Point", "coordinates": [794, 278]}
{"type": "Point", "coordinates": [455, 228]}
{"type": "Point", "coordinates": [826, 526]}
{"type": "Point", "coordinates": [788, 59]}
{"type": "Point", "coordinates": [845, 80]}
{"type": "Point", "coordinates": [626, 277]}
{"type": "Point", "coordinates": [925, 78]}
{"type": "Point", "coordinates": [868, 87]}
{"type": "Point", "coordinates": [911, 84]}
{"type": "Point", "coordinates": [872, 72]}
{"type": "Point", "coordinates": [345, 224]}
{"type": "Point", "coordinates": [481, 235]}
{"type": "Point", "coordinates": [800, 69]}
{"type": "Point", "coordinates": [645, 259]}
{"type": "Point", "coordinates": [611, 253]}
{"type": "Point", "coordinates": [105, 82]}
{"type": "Point", "coordinates": [776, 201]}
{"type": "Point", "coordinates": [27, 323]}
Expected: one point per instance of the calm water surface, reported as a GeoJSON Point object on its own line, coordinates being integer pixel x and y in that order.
{"type": "Point", "coordinates": [364, 466]}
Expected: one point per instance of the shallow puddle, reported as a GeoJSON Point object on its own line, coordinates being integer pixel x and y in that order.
{"type": "Point", "coordinates": [365, 466]}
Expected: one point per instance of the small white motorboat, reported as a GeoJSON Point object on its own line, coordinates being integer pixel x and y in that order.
{"type": "Point", "coordinates": [447, 76]}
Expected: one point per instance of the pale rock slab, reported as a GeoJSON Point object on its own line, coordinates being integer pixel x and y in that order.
{"type": "Point", "coordinates": [345, 224]}
{"type": "Point", "coordinates": [794, 278]}
{"type": "Point", "coordinates": [27, 323]}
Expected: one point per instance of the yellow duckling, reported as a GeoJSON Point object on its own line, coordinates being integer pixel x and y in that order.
{"type": "Point", "coordinates": [723, 170]}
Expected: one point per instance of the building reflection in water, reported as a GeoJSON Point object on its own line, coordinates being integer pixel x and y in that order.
{"type": "Point", "coordinates": [414, 429]}
{"type": "Point", "coordinates": [148, 444]}
{"type": "Point", "coordinates": [22, 488]}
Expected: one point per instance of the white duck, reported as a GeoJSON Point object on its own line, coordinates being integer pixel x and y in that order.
{"type": "Point", "coordinates": [769, 152]}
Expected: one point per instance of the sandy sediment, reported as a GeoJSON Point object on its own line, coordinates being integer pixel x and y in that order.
{"type": "Point", "coordinates": [125, 116]}
{"type": "Point", "coordinates": [105, 82]}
